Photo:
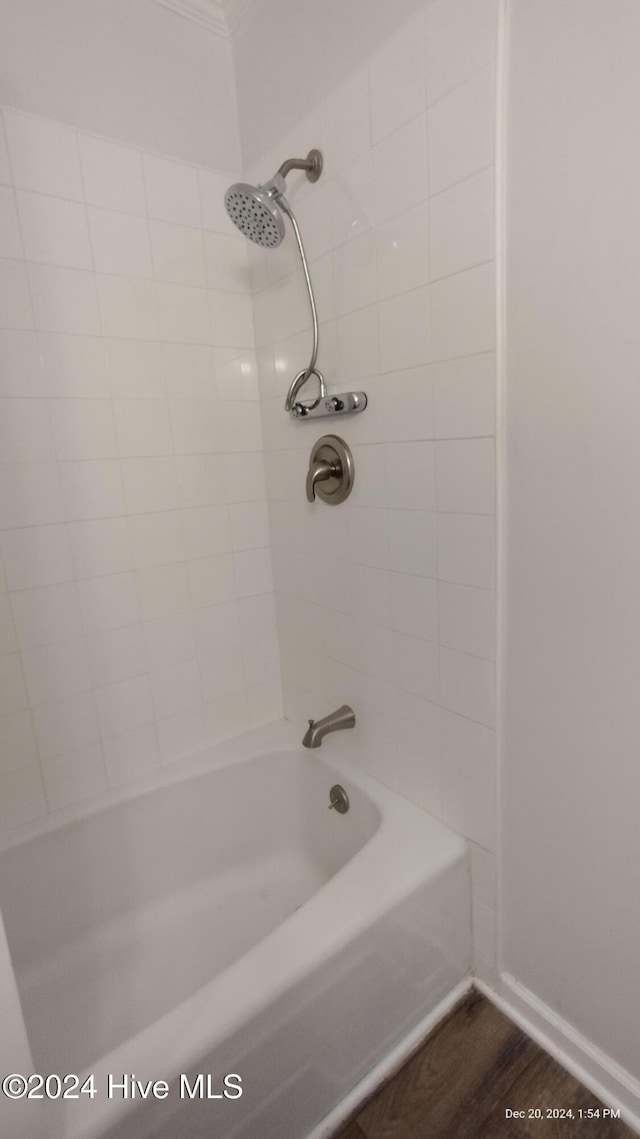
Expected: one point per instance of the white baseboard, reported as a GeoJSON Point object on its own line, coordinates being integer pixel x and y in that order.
{"type": "Point", "coordinates": [612, 1084]}
{"type": "Point", "coordinates": [388, 1065]}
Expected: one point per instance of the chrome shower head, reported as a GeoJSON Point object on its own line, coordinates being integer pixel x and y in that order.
{"type": "Point", "coordinates": [255, 210]}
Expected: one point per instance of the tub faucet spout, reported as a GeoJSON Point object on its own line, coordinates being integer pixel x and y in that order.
{"type": "Point", "coordinates": [343, 717]}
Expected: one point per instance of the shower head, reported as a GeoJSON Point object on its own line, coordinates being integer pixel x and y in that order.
{"type": "Point", "coordinates": [254, 211]}
{"type": "Point", "coordinates": [257, 210]}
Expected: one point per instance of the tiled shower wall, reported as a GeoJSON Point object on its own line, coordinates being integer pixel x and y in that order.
{"type": "Point", "coordinates": [388, 602]}
{"type": "Point", "coordinates": [137, 613]}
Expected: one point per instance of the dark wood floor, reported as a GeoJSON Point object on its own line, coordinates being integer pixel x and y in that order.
{"type": "Point", "coordinates": [474, 1066]}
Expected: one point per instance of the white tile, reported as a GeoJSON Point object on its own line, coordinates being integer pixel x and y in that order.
{"type": "Point", "coordinates": [240, 426]}
{"type": "Point", "coordinates": [182, 734]}
{"type": "Point", "coordinates": [403, 252]}
{"type": "Point", "coordinates": [50, 613]}
{"type": "Point", "coordinates": [65, 725]}
{"type": "Point", "coordinates": [178, 254]}
{"type": "Point", "coordinates": [120, 243]}
{"type": "Point", "coordinates": [414, 606]}
{"type": "Point", "coordinates": [222, 674]}
{"type": "Point", "coordinates": [25, 431]}
{"type": "Point", "coordinates": [135, 369]}
{"type": "Point", "coordinates": [461, 226]}
{"type": "Point", "coordinates": [358, 344]}
{"type": "Point", "coordinates": [143, 427]}
{"type": "Point", "coordinates": [461, 39]}
{"type": "Point", "coordinates": [227, 263]}
{"type": "Point", "coordinates": [202, 480]}
{"type": "Point", "coordinates": [265, 703]}
{"type": "Point", "coordinates": [461, 129]}
{"type": "Point", "coordinates": [236, 374]}
{"type": "Point", "coordinates": [128, 308]}
{"type": "Point", "coordinates": [410, 475]}
{"type": "Point", "coordinates": [21, 371]}
{"type": "Point", "coordinates": [44, 155]}
{"type": "Point", "coordinates": [370, 487]}
{"type": "Point", "coordinates": [30, 495]}
{"type": "Point", "coordinates": [83, 429]}
{"type": "Point", "coordinates": [408, 405]}
{"type": "Point", "coordinates": [412, 542]}
{"type": "Point", "coordinates": [15, 300]}
{"type": "Point", "coordinates": [22, 797]}
{"type": "Point", "coordinates": [415, 666]}
{"type": "Point", "coordinates": [217, 629]}
{"type": "Point", "coordinates": [5, 167]}
{"type": "Point", "coordinates": [169, 640]}
{"type": "Point", "coordinates": [484, 876]}
{"type": "Point", "coordinates": [190, 371]}
{"type": "Point", "coordinates": [131, 754]}
{"type": "Point", "coordinates": [116, 654]}
{"type": "Point", "coordinates": [75, 367]}
{"type": "Point", "coordinates": [54, 231]}
{"type": "Point", "coordinates": [464, 396]}
{"type": "Point", "coordinates": [400, 165]}
{"type": "Point", "coordinates": [355, 274]}
{"type": "Point", "coordinates": [463, 313]}
{"type": "Point", "coordinates": [10, 242]}
{"type": "Point", "coordinates": [404, 331]}
{"type": "Point", "coordinates": [368, 536]}
{"type": "Point", "coordinates": [196, 426]}
{"type": "Point", "coordinates": [109, 602]}
{"type": "Point", "coordinates": [13, 693]}
{"type": "Point", "coordinates": [183, 313]}
{"type": "Point", "coordinates": [213, 187]}
{"type": "Point", "coordinates": [227, 717]}
{"type": "Point", "coordinates": [466, 549]}
{"type": "Point", "coordinates": [112, 175]}
{"type": "Point", "coordinates": [124, 706]}
{"type": "Point", "coordinates": [467, 619]}
{"type": "Point", "coordinates": [17, 741]}
{"type": "Point", "coordinates": [163, 590]}
{"type": "Point", "coordinates": [253, 572]}
{"type": "Point", "coordinates": [261, 661]}
{"type": "Point", "coordinates": [206, 531]}
{"type": "Point", "coordinates": [231, 320]}
{"type": "Point", "coordinates": [346, 118]}
{"type": "Point", "coordinates": [244, 478]}
{"type": "Point", "coordinates": [64, 300]}
{"type": "Point", "coordinates": [465, 476]}
{"type": "Point", "coordinates": [56, 671]}
{"type": "Point", "coordinates": [149, 484]}
{"type": "Point", "coordinates": [73, 777]}
{"type": "Point", "coordinates": [249, 525]}
{"type": "Point", "coordinates": [467, 686]}
{"type": "Point", "coordinates": [469, 749]}
{"type": "Point", "coordinates": [397, 77]}
{"type": "Point", "coordinates": [257, 618]}
{"type": "Point", "coordinates": [175, 689]}
{"type": "Point", "coordinates": [8, 636]}
{"type": "Point", "coordinates": [211, 581]}
{"type": "Point", "coordinates": [100, 546]}
{"type": "Point", "coordinates": [92, 489]}
{"type": "Point", "coordinates": [156, 539]}
{"type": "Point", "coordinates": [36, 556]}
{"type": "Point", "coordinates": [172, 191]}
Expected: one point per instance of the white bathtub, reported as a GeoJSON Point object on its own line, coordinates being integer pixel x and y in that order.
{"type": "Point", "coordinates": [221, 920]}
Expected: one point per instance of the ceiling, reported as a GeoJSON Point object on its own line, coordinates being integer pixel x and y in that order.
{"type": "Point", "coordinates": [219, 16]}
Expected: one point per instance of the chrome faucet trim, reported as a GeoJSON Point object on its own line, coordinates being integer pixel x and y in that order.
{"type": "Point", "coordinates": [337, 721]}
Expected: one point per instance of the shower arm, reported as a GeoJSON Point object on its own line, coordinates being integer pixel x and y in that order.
{"type": "Point", "coordinates": [303, 376]}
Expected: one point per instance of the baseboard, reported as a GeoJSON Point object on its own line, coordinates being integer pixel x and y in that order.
{"type": "Point", "coordinates": [389, 1065]}
{"type": "Point", "coordinates": [612, 1084]}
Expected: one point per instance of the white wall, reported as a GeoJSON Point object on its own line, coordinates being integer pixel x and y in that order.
{"type": "Point", "coordinates": [136, 601]}
{"type": "Point", "coordinates": [387, 602]}
{"type": "Point", "coordinates": [127, 69]}
{"type": "Point", "coordinates": [571, 755]}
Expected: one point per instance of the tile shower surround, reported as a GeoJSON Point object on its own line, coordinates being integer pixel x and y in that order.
{"type": "Point", "coordinates": [388, 602]}
{"type": "Point", "coordinates": [136, 602]}
{"type": "Point", "coordinates": [137, 608]}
